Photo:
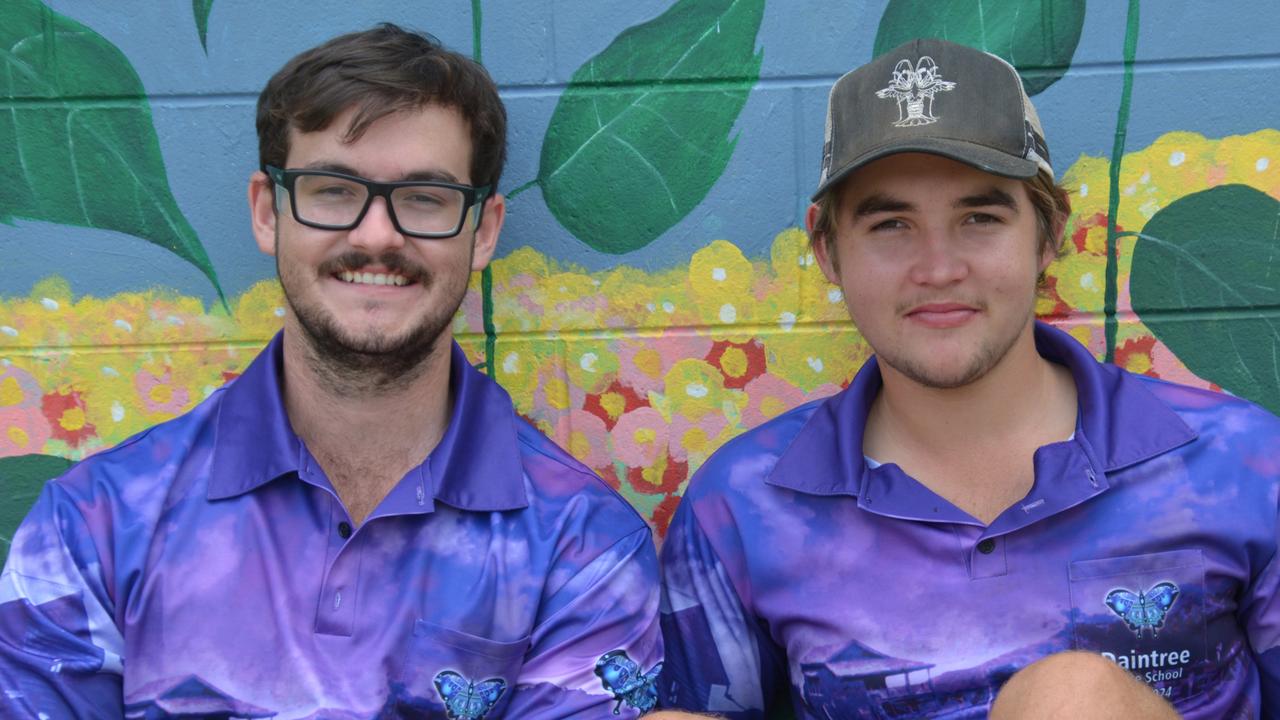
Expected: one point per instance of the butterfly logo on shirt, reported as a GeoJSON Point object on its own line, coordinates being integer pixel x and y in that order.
{"type": "Point", "coordinates": [1143, 610]}
{"type": "Point", "coordinates": [621, 676]}
{"type": "Point", "coordinates": [466, 700]}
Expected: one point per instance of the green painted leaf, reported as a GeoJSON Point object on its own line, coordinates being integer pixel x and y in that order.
{"type": "Point", "coordinates": [77, 145]}
{"type": "Point", "coordinates": [1206, 280]}
{"type": "Point", "coordinates": [201, 10]}
{"type": "Point", "coordinates": [20, 481]}
{"type": "Point", "coordinates": [643, 130]}
{"type": "Point", "coordinates": [1038, 37]}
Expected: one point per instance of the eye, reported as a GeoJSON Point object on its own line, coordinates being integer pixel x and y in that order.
{"type": "Point", "coordinates": [981, 218]}
{"type": "Point", "coordinates": [891, 224]}
{"type": "Point", "coordinates": [336, 190]}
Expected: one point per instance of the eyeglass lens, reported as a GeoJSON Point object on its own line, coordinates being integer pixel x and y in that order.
{"type": "Point", "coordinates": [328, 200]}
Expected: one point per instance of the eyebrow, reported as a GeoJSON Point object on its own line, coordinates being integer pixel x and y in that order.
{"type": "Point", "coordinates": [416, 176]}
{"type": "Point", "coordinates": [989, 197]}
{"type": "Point", "coordinates": [881, 203]}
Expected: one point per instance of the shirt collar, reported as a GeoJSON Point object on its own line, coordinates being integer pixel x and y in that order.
{"type": "Point", "coordinates": [475, 466]}
{"type": "Point", "coordinates": [1119, 422]}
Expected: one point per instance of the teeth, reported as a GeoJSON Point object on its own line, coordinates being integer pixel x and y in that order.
{"type": "Point", "coordinates": [372, 278]}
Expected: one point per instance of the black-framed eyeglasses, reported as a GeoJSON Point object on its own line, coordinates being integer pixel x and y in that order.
{"type": "Point", "coordinates": [418, 208]}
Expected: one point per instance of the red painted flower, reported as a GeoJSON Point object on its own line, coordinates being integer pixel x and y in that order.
{"type": "Point", "coordinates": [610, 403]}
{"type": "Point", "coordinates": [1134, 355]}
{"type": "Point", "coordinates": [66, 416]}
{"type": "Point", "coordinates": [740, 363]}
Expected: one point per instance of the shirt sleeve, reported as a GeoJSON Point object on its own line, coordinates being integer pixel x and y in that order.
{"type": "Point", "coordinates": [1260, 618]}
{"type": "Point", "coordinates": [719, 658]}
{"type": "Point", "coordinates": [60, 650]}
{"type": "Point", "coordinates": [597, 648]}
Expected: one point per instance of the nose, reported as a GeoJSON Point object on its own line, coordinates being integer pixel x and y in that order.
{"type": "Point", "coordinates": [376, 232]}
{"type": "Point", "coordinates": [939, 260]}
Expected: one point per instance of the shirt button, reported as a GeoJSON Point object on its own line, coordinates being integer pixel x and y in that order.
{"type": "Point", "coordinates": [344, 529]}
{"type": "Point", "coordinates": [986, 547]}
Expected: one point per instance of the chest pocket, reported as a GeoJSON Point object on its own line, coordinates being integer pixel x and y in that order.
{"type": "Point", "coordinates": [1146, 613]}
{"type": "Point", "coordinates": [463, 676]}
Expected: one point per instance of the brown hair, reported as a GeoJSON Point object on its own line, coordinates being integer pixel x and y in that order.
{"type": "Point", "coordinates": [381, 71]}
{"type": "Point", "coordinates": [1051, 201]}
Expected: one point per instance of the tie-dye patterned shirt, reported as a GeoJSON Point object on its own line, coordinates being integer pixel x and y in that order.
{"type": "Point", "coordinates": [796, 573]}
{"type": "Point", "coordinates": [207, 568]}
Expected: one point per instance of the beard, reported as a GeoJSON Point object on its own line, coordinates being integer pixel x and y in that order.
{"type": "Point", "coordinates": [988, 355]}
{"type": "Point", "coordinates": [370, 362]}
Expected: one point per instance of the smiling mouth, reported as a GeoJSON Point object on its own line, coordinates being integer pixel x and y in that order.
{"type": "Point", "coordinates": [368, 278]}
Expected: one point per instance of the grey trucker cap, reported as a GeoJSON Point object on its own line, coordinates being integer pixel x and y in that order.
{"type": "Point", "coordinates": [937, 97]}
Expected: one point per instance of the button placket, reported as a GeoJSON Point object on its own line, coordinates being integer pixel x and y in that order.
{"type": "Point", "coordinates": [988, 559]}
{"type": "Point", "coordinates": [335, 607]}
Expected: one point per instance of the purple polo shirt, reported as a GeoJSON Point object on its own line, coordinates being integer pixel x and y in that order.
{"type": "Point", "coordinates": [206, 567]}
{"type": "Point", "coordinates": [795, 573]}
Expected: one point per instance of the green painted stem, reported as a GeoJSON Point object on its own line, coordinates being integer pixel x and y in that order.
{"type": "Point", "coordinates": [1113, 203]}
{"type": "Point", "coordinates": [486, 275]}
{"type": "Point", "coordinates": [511, 195]}
{"type": "Point", "coordinates": [477, 20]}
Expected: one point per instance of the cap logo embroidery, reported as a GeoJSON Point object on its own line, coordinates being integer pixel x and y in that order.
{"type": "Point", "coordinates": [914, 88]}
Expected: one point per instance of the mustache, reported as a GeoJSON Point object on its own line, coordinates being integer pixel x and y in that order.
{"type": "Point", "coordinates": [355, 261]}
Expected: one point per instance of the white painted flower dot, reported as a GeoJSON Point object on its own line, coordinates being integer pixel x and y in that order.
{"type": "Point", "coordinates": [588, 362]}
{"type": "Point", "coordinates": [175, 320]}
{"type": "Point", "coordinates": [787, 320]}
{"type": "Point", "coordinates": [123, 325]}
{"type": "Point", "coordinates": [1177, 157]}
{"type": "Point", "coordinates": [814, 363]}
{"type": "Point", "coordinates": [651, 307]}
{"type": "Point", "coordinates": [117, 411]}
{"type": "Point", "coordinates": [49, 303]}
{"type": "Point", "coordinates": [511, 363]}
{"type": "Point", "coordinates": [696, 390]}
{"type": "Point", "coordinates": [718, 274]}
{"type": "Point", "coordinates": [668, 307]}
{"type": "Point", "coordinates": [728, 313]}
{"type": "Point", "coordinates": [11, 332]}
{"type": "Point", "coordinates": [279, 312]}
{"type": "Point", "coordinates": [808, 260]}
{"type": "Point", "coordinates": [1146, 178]}
{"type": "Point", "coordinates": [1088, 281]}
{"type": "Point", "coordinates": [1084, 190]}
{"type": "Point", "coordinates": [1130, 190]}
{"type": "Point", "coordinates": [110, 371]}
{"type": "Point", "coordinates": [834, 295]}
{"type": "Point", "coordinates": [1262, 164]}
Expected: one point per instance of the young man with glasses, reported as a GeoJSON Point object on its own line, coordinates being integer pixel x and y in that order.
{"type": "Point", "coordinates": [985, 496]}
{"type": "Point", "coordinates": [360, 525]}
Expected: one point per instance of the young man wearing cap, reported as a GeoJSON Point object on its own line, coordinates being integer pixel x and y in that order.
{"type": "Point", "coordinates": [360, 525]}
{"type": "Point", "coordinates": [985, 494]}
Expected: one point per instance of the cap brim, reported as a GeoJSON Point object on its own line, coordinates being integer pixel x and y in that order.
{"type": "Point", "coordinates": [983, 158]}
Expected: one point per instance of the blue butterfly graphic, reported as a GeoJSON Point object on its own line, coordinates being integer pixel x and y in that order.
{"type": "Point", "coordinates": [621, 676]}
{"type": "Point", "coordinates": [465, 700]}
{"type": "Point", "coordinates": [1143, 610]}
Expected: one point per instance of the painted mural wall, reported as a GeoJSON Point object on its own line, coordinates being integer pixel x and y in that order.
{"type": "Point", "coordinates": [654, 295]}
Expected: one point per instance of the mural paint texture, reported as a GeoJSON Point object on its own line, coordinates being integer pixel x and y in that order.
{"type": "Point", "coordinates": [643, 364]}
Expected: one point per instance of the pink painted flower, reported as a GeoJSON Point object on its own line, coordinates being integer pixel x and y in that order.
{"type": "Point", "coordinates": [23, 426]}
{"type": "Point", "coordinates": [160, 394]}
{"type": "Point", "coordinates": [767, 397]}
{"type": "Point", "coordinates": [640, 437]}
